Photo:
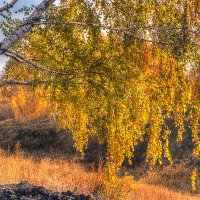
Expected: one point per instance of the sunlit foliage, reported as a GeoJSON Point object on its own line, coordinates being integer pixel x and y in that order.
{"type": "Point", "coordinates": [121, 86]}
{"type": "Point", "coordinates": [24, 103]}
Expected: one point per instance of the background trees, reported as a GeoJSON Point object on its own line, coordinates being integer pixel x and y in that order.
{"type": "Point", "coordinates": [112, 67]}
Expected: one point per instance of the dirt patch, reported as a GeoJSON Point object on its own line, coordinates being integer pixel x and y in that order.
{"type": "Point", "coordinates": [26, 191]}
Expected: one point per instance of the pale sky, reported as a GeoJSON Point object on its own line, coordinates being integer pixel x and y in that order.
{"type": "Point", "coordinates": [18, 5]}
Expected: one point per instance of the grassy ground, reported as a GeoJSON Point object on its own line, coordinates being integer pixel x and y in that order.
{"type": "Point", "coordinates": [62, 175]}
{"type": "Point", "coordinates": [177, 177]}
{"type": "Point", "coordinates": [50, 160]}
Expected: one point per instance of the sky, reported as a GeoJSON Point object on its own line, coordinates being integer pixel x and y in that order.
{"type": "Point", "coordinates": [17, 6]}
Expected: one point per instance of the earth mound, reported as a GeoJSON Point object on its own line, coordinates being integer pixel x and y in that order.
{"type": "Point", "coordinates": [26, 191]}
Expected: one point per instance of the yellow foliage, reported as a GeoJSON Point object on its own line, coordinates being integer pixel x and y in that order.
{"type": "Point", "coordinates": [27, 105]}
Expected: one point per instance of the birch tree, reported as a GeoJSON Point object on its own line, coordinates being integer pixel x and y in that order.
{"type": "Point", "coordinates": [112, 67]}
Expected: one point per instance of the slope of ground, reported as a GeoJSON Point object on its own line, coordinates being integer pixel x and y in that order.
{"type": "Point", "coordinates": [49, 159]}
{"type": "Point", "coordinates": [61, 175]}
{"type": "Point", "coordinates": [40, 136]}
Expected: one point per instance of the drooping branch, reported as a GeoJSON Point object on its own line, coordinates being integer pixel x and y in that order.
{"type": "Point", "coordinates": [123, 30]}
{"type": "Point", "coordinates": [8, 5]}
{"type": "Point", "coordinates": [5, 82]}
{"type": "Point", "coordinates": [68, 73]}
{"type": "Point", "coordinates": [22, 30]}
{"type": "Point", "coordinates": [12, 55]}
{"type": "Point", "coordinates": [119, 29]}
{"type": "Point", "coordinates": [24, 60]}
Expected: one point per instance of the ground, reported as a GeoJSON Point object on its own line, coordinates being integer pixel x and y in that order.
{"type": "Point", "coordinates": [35, 151]}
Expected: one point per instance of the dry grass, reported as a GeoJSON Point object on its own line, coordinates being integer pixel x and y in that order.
{"type": "Point", "coordinates": [151, 192]}
{"type": "Point", "coordinates": [57, 175]}
{"type": "Point", "coordinates": [60, 175]}
{"type": "Point", "coordinates": [177, 177]}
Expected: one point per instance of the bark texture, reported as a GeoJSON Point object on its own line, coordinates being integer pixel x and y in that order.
{"type": "Point", "coordinates": [8, 5]}
{"type": "Point", "coordinates": [27, 25]}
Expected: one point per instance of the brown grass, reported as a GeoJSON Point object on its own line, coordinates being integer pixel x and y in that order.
{"type": "Point", "coordinates": [152, 192]}
{"type": "Point", "coordinates": [177, 178]}
{"type": "Point", "coordinates": [61, 175]}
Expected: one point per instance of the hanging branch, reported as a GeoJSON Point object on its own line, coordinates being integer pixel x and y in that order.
{"type": "Point", "coordinates": [21, 59]}
{"type": "Point", "coordinates": [24, 60]}
{"type": "Point", "coordinates": [118, 29]}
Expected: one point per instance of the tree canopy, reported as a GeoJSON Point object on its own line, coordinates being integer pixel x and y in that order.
{"type": "Point", "coordinates": [114, 69]}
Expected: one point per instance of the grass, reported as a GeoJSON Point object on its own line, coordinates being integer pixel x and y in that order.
{"type": "Point", "coordinates": [176, 177]}
{"type": "Point", "coordinates": [62, 175]}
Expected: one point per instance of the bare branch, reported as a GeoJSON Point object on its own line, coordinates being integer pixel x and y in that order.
{"type": "Point", "coordinates": [14, 57]}
{"type": "Point", "coordinates": [120, 29]}
{"type": "Point", "coordinates": [83, 24]}
{"type": "Point", "coordinates": [5, 82]}
{"type": "Point", "coordinates": [8, 5]}
{"type": "Point", "coordinates": [11, 40]}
